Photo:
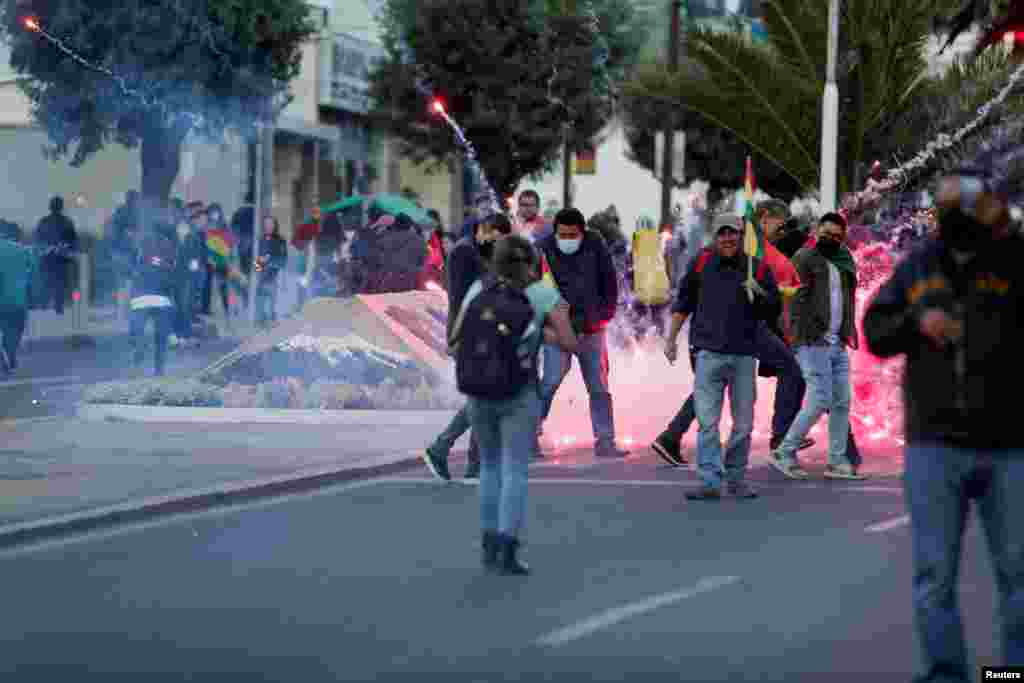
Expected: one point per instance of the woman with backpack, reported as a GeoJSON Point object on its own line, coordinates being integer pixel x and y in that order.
{"type": "Point", "coordinates": [154, 285]}
{"type": "Point", "coordinates": [497, 336]}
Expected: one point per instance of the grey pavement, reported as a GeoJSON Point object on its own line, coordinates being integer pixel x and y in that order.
{"type": "Point", "coordinates": [379, 580]}
{"type": "Point", "coordinates": [61, 466]}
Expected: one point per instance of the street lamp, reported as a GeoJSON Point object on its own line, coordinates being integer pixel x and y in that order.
{"type": "Point", "coordinates": [830, 115]}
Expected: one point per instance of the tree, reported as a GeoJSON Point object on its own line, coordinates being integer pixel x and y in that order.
{"type": "Point", "coordinates": [510, 72]}
{"type": "Point", "coordinates": [768, 95]}
{"type": "Point", "coordinates": [175, 67]}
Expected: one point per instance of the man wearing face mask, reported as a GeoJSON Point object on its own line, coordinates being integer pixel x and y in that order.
{"type": "Point", "coordinates": [467, 263]}
{"type": "Point", "coordinates": [955, 308]}
{"type": "Point", "coordinates": [823, 318]}
{"type": "Point", "coordinates": [581, 267]}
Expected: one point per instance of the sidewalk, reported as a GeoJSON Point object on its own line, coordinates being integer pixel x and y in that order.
{"type": "Point", "coordinates": [46, 327]}
{"type": "Point", "coordinates": [61, 475]}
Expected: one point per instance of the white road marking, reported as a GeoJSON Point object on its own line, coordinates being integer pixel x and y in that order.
{"type": "Point", "coordinates": [889, 524]}
{"type": "Point", "coordinates": [616, 615]}
{"type": "Point", "coordinates": [40, 380]}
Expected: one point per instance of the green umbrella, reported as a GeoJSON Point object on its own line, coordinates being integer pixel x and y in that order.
{"type": "Point", "coordinates": [346, 203]}
{"type": "Point", "coordinates": [395, 204]}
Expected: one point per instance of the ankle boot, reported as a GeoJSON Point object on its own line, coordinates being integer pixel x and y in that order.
{"type": "Point", "coordinates": [490, 546]}
{"type": "Point", "coordinates": [508, 563]}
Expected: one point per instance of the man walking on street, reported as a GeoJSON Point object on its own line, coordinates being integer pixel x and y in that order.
{"type": "Point", "coordinates": [582, 270]}
{"type": "Point", "coordinates": [955, 308]}
{"type": "Point", "coordinates": [823, 318]}
{"type": "Point", "coordinates": [773, 354]}
{"type": "Point", "coordinates": [724, 333]}
{"type": "Point", "coordinates": [58, 241]}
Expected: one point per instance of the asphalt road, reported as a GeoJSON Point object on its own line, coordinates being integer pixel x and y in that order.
{"type": "Point", "coordinates": [51, 375]}
{"type": "Point", "coordinates": [379, 580]}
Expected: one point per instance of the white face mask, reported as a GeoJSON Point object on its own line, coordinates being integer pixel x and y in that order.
{"type": "Point", "coordinates": [569, 247]}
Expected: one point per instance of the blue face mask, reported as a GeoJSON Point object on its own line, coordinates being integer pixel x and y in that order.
{"type": "Point", "coordinates": [569, 247]}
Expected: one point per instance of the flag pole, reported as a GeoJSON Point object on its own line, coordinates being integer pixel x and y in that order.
{"type": "Point", "coordinates": [748, 188]}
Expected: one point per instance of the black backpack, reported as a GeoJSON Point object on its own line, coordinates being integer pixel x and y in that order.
{"type": "Point", "coordinates": [488, 334]}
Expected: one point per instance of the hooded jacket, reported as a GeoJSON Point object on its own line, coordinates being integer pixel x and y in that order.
{"type": "Point", "coordinates": [586, 280]}
{"type": "Point", "coordinates": [962, 395]}
{"type": "Point", "coordinates": [17, 270]}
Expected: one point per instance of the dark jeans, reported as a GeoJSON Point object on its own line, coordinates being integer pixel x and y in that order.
{"type": "Point", "coordinates": [266, 302]}
{"type": "Point", "coordinates": [222, 285]}
{"type": "Point", "coordinates": [163, 321]}
{"type": "Point", "coordinates": [940, 482]}
{"type": "Point", "coordinates": [55, 281]}
{"type": "Point", "coordinates": [790, 387]}
{"type": "Point", "coordinates": [12, 327]}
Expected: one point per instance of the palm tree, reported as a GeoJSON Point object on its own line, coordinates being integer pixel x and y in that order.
{"type": "Point", "coordinates": [768, 94]}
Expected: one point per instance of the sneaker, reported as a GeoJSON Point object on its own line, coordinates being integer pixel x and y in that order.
{"type": "Point", "coordinates": [790, 469]}
{"type": "Point", "coordinates": [669, 450]}
{"type": "Point", "coordinates": [704, 493]}
{"type": "Point", "coordinates": [741, 489]}
{"type": "Point", "coordinates": [173, 341]}
{"type": "Point", "coordinates": [437, 465]}
{"type": "Point", "coordinates": [776, 441]}
{"type": "Point", "coordinates": [843, 472]}
{"type": "Point", "coordinates": [609, 451]}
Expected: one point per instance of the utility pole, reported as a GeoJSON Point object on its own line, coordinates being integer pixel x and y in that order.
{"type": "Point", "coordinates": [667, 172]}
{"type": "Point", "coordinates": [830, 115]}
{"type": "Point", "coordinates": [567, 170]}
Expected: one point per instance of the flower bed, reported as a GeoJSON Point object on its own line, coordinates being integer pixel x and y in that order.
{"type": "Point", "coordinates": [303, 372]}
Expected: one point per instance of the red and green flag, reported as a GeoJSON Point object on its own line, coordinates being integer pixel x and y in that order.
{"type": "Point", "coordinates": [753, 240]}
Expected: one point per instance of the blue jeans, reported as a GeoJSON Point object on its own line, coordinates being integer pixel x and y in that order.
{"type": "Point", "coordinates": [826, 369]}
{"type": "Point", "coordinates": [163, 322]}
{"type": "Point", "coordinates": [717, 373]}
{"type": "Point", "coordinates": [506, 434]}
{"type": "Point", "coordinates": [593, 359]}
{"type": "Point", "coordinates": [939, 481]}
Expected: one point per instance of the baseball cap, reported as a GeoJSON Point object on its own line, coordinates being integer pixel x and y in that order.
{"type": "Point", "coordinates": [727, 221]}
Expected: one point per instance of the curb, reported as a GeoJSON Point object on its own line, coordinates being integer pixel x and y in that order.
{"type": "Point", "coordinates": [106, 412]}
{"type": "Point", "coordinates": [222, 495]}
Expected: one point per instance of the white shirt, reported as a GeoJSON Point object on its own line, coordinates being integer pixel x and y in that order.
{"type": "Point", "coordinates": [835, 320]}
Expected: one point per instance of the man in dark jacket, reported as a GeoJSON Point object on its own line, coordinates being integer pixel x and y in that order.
{"type": "Point", "coordinates": [724, 333]}
{"type": "Point", "coordinates": [955, 308]}
{"type": "Point", "coordinates": [153, 287]}
{"type": "Point", "coordinates": [581, 266]}
{"type": "Point", "coordinates": [192, 268]}
{"type": "Point", "coordinates": [18, 265]}
{"type": "Point", "coordinates": [466, 264]}
{"type": "Point", "coordinates": [823, 319]}
{"type": "Point", "coordinates": [57, 241]}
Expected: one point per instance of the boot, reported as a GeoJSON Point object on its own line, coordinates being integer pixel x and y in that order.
{"type": "Point", "coordinates": [490, 547]}
{"type": "Point", "coordinates": [507, 562]}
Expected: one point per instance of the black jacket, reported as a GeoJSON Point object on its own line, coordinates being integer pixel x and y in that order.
{"type": "Point", "coordinates": [465, 266]}
{"type": "Point", "coordinates": [964, 394]}
{"type": "Point", "coordinates": [275, 250]}
{"type": "Point", "coordinates": [56, 234]}
{"type": "Point", "coordinates": [586, 280]}
{"type": "Point", "coordinates": [723, 319]}
{"type": "Point", "coordinates": [792, 242]}
{"type": "Point", "coordinates": [149, 279]}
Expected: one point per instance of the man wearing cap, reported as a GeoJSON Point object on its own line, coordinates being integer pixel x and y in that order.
{"type": "Point", "coordinates": [775, 357]}
{"type": "Point", "coordinates": [724, 334]}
